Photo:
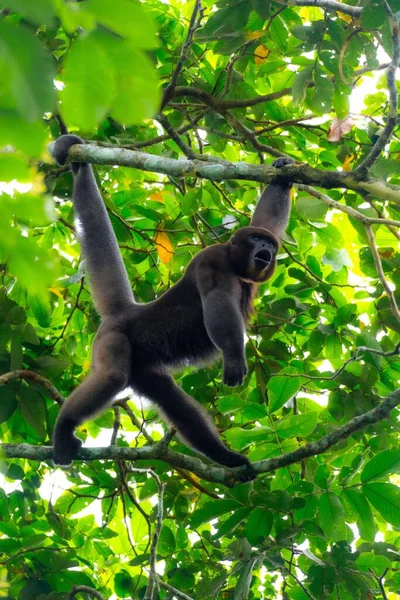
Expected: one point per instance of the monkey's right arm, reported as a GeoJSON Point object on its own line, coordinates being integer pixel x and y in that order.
{"type": "Point", "coordinates": [220, 294]}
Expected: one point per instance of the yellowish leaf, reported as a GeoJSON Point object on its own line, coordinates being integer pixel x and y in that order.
{"type": "Point", "coordinates": [260, 54]}
{"type": "Point", "coordinates": [346, 18]}
{"type": "Point", "coordinates": [157, 197]}
{"type": "Point", "coordinates": [56, 292]}
{"type": "Point", "coordinates": [253, 35]}
{"type": "Point", "coordinates": [164, 247]}
{"type": "Point", "coordinates": [347, 162]}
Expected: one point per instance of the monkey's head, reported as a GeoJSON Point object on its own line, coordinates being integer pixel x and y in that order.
{"type": "Point", "coordinates": [253, 251]}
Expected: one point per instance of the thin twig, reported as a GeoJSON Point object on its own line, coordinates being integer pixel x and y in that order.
{"type": "Point", "coordinates": [193, 26]}
{"type": "Point", "coordinates": [28, 375]}
{"type": "Point", "coordinates": [84, 589]}
{"type": "Point", "coordinates": [381, 275]}
{"type": "Point", "coordinates": [391, 121]}
{"type": "Point", "coordinates": [352, 212]}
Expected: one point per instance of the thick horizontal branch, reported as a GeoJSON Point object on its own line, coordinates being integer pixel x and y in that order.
{"type": "Point", "coordinates": [219, 170]}
{"type": "Point", "coordinates": [209, 472]}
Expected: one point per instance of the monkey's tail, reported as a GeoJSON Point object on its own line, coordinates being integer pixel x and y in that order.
{"type": "Point", "coordinates": [109, 281]}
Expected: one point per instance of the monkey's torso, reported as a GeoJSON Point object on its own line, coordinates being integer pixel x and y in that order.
{"type": "Point", "coordinates": [180, 310]}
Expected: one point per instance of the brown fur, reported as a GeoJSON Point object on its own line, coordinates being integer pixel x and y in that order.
{"type": "Point", "coordinates": [202, 315]}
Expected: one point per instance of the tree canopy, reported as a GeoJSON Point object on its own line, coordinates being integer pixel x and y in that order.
{"type": "Point", "coordinates": [183, 106]}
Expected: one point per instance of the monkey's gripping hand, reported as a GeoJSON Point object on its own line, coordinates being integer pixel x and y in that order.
{"type": "Point", "coordinates": [282, 162]}
{"type": "Point", "coordinates": [62, 146]}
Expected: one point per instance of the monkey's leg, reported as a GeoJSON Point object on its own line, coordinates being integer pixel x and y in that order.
{"type": "Point", "coordinates": [109, 375]}
{"type": "Point", "coordinates": [188, 417]}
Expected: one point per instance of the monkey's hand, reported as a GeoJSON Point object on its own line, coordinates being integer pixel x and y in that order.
{"type": "Point", "coordinates": [234, 371]}
{"type": "Point", "coordinates": [65, 449]}
{"type": "Point", "coordinates": [282, 162]}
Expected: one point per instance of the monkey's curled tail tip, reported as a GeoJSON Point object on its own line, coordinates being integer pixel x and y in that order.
{"type": "Point", "coordinates": [62, 146]}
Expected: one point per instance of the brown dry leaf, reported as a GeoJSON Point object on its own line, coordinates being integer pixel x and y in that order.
{"type": "Point", "coordinates": [339, 127]}
{"type": "Point", "coordinates": [260, 54]}
{"type": "Point", "coordinates": [164, 247]}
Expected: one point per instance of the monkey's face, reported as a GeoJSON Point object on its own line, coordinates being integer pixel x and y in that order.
{"type": "Point", "coordinates": [253, 253]}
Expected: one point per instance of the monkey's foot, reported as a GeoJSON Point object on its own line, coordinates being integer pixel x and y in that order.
{"type": "Point", "coordinates": [249, 474]}
{"type": "Point", "coordinates": [65, 449]}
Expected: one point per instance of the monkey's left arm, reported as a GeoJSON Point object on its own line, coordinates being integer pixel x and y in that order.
{"type": "Point", "coordinates": [273, 208]}
{"type": "Point", "coordinates": [220, 293]}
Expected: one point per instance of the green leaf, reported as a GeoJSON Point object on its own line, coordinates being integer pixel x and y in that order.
{"type": "Point", "coordinates": [210, 510]}
{"type": "Point", "coordinates": [129, 19]}
{"type": "Point", "coordinates": [297, 425]}
{"type": "Point", "coordinates": [300, 85]}
{"type": "Point", "coordinates": [311, 208]}
{"type": "Point", "coordinates": [383, 463]}
{"type": "Point", "coordinates": [40, 12]}
{"type": "Point", "coordinates": [166, 543]}
{"type": "Point", "coordinates": [360, 511]}
{"type": "Point", "coordinates": [29, 70]}
{"type": "Point", "coordinates": [33, 409]}
{"type": "Point", "coordinates": [8, 402]}
{"type": "Point", "coordinates": [240, 438]}
{"type": "Point", "coordinates": [89, 79]}
{"type": "Point", "coordinates": [280, 390]}
{"type": "Point", "coordinates": [232, 522]}
{"type": "Point", "coordinates": [243, 584]}
{"type": "Point", "coordinates": [29, 138]}
{"type": "Point", "coordinates": [331, 515]}
{"type": "Point", "coordinates": [226, 22]}
{"type": "Point", "coordinates": [191, 201]}
{"type": "Point", "coordinates": [333, 348]}
{"type": "Point", "coordinates": [278, 33]}
{"type": "Point", "coordinates": [258, 526]}
{"type": "Point", "coordinates": [373, 15]}
{"type": "Point", "coordinates": [367, 561]}
{"type": "Point", "coordinates": [385, 498]}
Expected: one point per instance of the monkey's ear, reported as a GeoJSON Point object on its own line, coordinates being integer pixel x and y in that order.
{"type": "Point", "coordinates": [62, 146]}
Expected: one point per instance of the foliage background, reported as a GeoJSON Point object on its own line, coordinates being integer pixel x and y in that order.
{"type": "Point", "coordinates": [240, 81]}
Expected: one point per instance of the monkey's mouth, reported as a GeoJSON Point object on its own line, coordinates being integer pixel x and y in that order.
{"type": "Point", "coordinates": [262, 259]}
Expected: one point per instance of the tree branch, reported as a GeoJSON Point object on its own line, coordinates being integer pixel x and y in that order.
{"type": "Point", "coordinates": [391, 121]}
{"type": "Point", "coordinates": [209, 472]}
{"type": "Point", "coordinates": [193, 26]}
{"type": "Point", "coordinates": [35, 378]}
{"type": "Point", "coordinates": [217, 170]}
{"type": "Point", "coordinates": [84, 589]}
{"type": "Point", "coordinates": [346, 9]}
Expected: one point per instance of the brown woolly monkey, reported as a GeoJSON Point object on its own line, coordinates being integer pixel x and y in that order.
{"type": "Point", "coordinates": [201, 316]}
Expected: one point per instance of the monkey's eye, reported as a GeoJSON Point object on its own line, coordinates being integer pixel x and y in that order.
{"type": "Point", "coordinates": [256, 238]}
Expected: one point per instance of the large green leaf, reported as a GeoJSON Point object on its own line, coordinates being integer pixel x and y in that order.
{"type": "Point", "coordinates": [331, 515]}
{"type": "Point", "coordinates": [89, 78]}
{"type": "Point", "coordinates": [128, 19]}
{"type": "Point", "coordinates": [383, 463]}
{"type": "Point", "coordinates": [28, 69]}
{"type": "Point", "coordinates": [297, 425]}
{"type": "Point", "coordinates": [280, 390]}
{"type": "Point", "coordinates": [259, 525]}
{"type": "Point", "coordinates": [385, 497]}
{"type": "Point", "coordinates": [360, 511]}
